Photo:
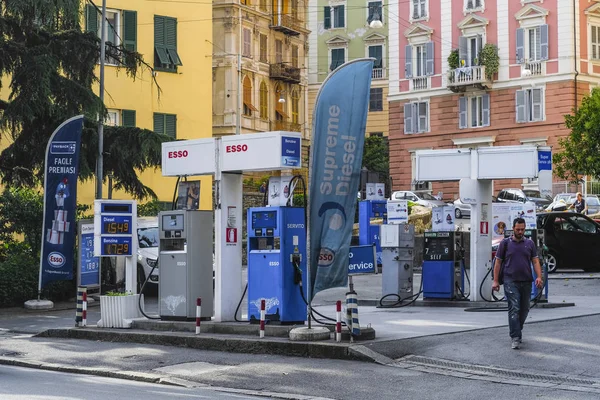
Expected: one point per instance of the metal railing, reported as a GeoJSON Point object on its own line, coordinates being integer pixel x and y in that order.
{"type": "Point", "coordinates": [285, 126]}
{"type": "Point", "coordinates": [467, 76]}
{"type": "Point", "coordinates": [378, 73]}
{"type": "Point", "coordinates": [285, 72]}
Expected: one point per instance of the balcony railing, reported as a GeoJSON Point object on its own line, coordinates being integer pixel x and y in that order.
{"type": "Point", "coordinates": [419, 83]}
{"type": "Point", "coordinates": [287, 24]}
{"type": "Point", "coordinates": [285, 126]}
{"type": "Point", "coordinates": [284, 72]}
{"type": "Point", "coordinates": [532, 68]}
{"type": "Point", "coordinates": [378, 73]}
{"type": "Point", "coordinates": [466, 76]}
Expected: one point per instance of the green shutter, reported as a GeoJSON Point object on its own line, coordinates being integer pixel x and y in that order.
{"type": "Point", "coordinates": [327, 17]}
{"type": "Point", "coordinates": [130, 30]}
{"type": "Point", "coordinates": [91, 19]}
{"type": "Point", "coordinates": [159, 123]}
{"type": "Point", "coordinates": [159, 31]}
{"type": "Point", "coordinates": [171, 40]}
{"type": "Point", "coordinates": [171, 125]}
{"type": "Point", "coordinates": [128, 118]}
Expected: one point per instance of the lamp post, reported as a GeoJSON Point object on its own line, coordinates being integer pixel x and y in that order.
{"type": "Point", "coordinates": [100, 161]}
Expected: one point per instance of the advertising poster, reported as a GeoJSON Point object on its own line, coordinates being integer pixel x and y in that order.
{"type": "Point", "coordinates": [449, 218]}
{"type": "Point", "coordinates": [188, 195]}
{"type": "Point", "coordinates": [279, 190]}
{"type": "Point", "coordinates": [501, 220]}
{"type": "Point", "coordinates": [370, 191]}
{"type": "Point", "coordinates": [397, 212]}
{"type": "Point", "coordinates": [525, 211]}
{"type": "Point", "coordinates": [442, 219]}
{"type": "Point", "coordinates": [380, 191]}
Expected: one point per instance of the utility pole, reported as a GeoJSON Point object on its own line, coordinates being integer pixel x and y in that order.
{"type": "Point", "coordinates": [100, 161]}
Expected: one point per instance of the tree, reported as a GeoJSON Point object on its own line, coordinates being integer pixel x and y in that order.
{"type": "Point", "coordinates": [580, 154]}
{"type": "Point", "coordinates": [376, 156]}
{"type": "Point", "coordinates": [50, 64]}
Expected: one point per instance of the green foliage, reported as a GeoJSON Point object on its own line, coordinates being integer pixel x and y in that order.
{"type": "Point", "coordinates": [488, 57]}
{"type": "Point", "coordinates": [150, 209]}
{"type": "Point", "coordinates": [453, 60]}
{"type": "Point", "coordinates": [580, 151]}
{"type": "Point", "coordinates": [117, 294]}
{"type": "Point", "coordinates": [21, 213]}
{"type": "Point", "coordinates": [19, 269]}
{"type": "Point", "coordinates": [298, 200]}
{"type": "Point", "coordinates": [376, 156]}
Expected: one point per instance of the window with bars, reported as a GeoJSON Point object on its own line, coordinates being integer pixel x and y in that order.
{"type": "Point", "coordinates": [376, 99]}
{"type": "Point", "coordinates": [294, 56]}
{"type": "Point", "coordinates": [165, 124]}
{"type": "Point", "coordinates": [166, 57]}
{"type": "Point", "coordinates": [264, 101]}
{"type": "Point", "coordinates": [264, 45]}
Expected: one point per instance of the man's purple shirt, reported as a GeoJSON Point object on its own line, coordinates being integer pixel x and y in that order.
{"type": "Point", "coordinates": [519, 254]}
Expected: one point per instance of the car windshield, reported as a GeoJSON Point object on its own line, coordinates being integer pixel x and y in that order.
{"type": "Point", "coordinates": [564, 197]}
{"type": "Point", "coordinates": [425, 196]}
{"type": "Point", "coordinates": [592, 201]}
{"type": "Point", "coordinates": [534, 194]}
{"type": "Point", "coordinates": [148, 237]}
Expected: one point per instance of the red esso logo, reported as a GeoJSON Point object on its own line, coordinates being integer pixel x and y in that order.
{"type": "Point", "coordinates": [178, 154]}
{"type": "Point", "coordinates": [55, 259]}
{"type": "Point", "coordinates": [236, 148]}
{"type": "Point", "coordinates": [326, 257]}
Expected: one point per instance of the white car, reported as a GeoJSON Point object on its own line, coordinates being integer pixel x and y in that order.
{"type": "Point", "coordinates": [421, 198]}
{"type": "Point", "coordinates": [147, 253]}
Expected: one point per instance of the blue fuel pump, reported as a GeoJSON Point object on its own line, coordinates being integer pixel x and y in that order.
{"type": "Point", "coordinates": [276, 264]}
{"type": "Point", "coordinates": [368, 233]}
{"type": "Point", "coordinates": [443, 269]}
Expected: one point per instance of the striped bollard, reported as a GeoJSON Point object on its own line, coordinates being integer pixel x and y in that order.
{"type": "Point", "coordinates": [84, 311]}
{"type": "Point", "coordinates": [79, 310]}
{"type": "Point", "coordinates": [338, 324]}
{"type": "Point", "coordinates": [198, 314]}
{"type": "Point", "coordinates": [262, 318]}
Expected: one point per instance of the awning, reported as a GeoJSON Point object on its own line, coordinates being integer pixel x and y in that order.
{"type": "Point", "coordinates": [281, 112]}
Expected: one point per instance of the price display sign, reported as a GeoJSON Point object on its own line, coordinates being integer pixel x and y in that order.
{"type": "Point", "coordinates": [115, 228]}
{"type": "Point", "coordinates": [115, 246]}
{"type": "Point", "coordinates": [115, 225]}
{"type": "Point", "coordinates": [439, 246]}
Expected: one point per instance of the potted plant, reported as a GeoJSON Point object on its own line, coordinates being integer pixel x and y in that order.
{"type": "Point", "coordinates": [117, 309]}
{"type": "Point", "coordinates": [488, 57]}
{"type": "Point", "coordinates": [453, 62]}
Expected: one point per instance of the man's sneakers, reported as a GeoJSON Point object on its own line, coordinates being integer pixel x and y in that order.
{"type": "Point", "coordinates": [516, 343]}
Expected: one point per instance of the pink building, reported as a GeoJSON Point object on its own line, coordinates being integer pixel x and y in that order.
{"type": "Point", "coordinates": [448, 90]}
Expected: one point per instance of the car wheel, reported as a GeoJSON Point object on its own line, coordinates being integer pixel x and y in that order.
{"type": "Point", "coordinates": [457, 213]}
{"type": "Point", "coordinates": [551, 262]}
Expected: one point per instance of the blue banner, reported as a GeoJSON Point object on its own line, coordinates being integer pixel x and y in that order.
{"type": "Point", "coordinates": [60, 202]}
{"type": "Point", "coordinates": [361, 260]}
{"type": "Point", "coordinates": [338, 137]}
{"type": "Point", "coordinates": [544, 160]}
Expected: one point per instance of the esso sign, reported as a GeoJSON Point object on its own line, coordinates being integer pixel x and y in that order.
{"type": "Point", "coordinates": [236, 148]}
{"type": "Point", "coordinates": [56, 259]}
{"type": "Point", "coordinates": [178, 154]}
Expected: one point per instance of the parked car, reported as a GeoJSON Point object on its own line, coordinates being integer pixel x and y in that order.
{"type": "Point", "coordinates": [461, 209]}
{"type": "Point", "coordinates": [524, 196]}
{"type": "Point", "coordinates": [560, 202]}
{"type": "Point", "coordinates": [420, 197]}
{"type": "Point", "coordinates": [147, 253]}
{"type": "Point", "coordinates": [593, 204]}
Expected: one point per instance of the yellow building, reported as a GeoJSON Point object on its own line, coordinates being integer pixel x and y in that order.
{"type": "Point", "coordinates": [175, 38]}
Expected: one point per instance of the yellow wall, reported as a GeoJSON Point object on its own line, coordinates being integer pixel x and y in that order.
{"type": "Point", "coordinates": [186, 93]}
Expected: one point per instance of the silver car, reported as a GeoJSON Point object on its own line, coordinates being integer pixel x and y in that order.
{"type": "Point", "coordinates": [421, 198]}
{"type": "Point", "coordinates": [593, 204]}
{"type": "Point", "coordinates": [461, 209]}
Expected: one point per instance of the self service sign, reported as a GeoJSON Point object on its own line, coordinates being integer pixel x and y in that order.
{"type": "Point", "coordinates": [114, 227]}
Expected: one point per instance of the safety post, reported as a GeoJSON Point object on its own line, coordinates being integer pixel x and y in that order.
{"type": "Point", "coordinates": [338, 324]}
{"type": "Point", "coordinates": [262, 318]}
{"type": "Point", "coordinates": [79, 311]}
{"type": "Point", "coordinates": [198, 314]}
{"type": "Point", "coordinates": [84, 309]}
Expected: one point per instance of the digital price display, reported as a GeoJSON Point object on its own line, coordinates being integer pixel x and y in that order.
{"type": "Point", "coordinates": [115, 246]}
{"type": "Point", "coordinates": [264, 219]}
{"type": "Point", "coordinates": [115, 225]}
{"type": "Point", "coordinates": [439, 246]}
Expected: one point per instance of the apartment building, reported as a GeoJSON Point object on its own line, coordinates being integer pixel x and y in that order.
{"type": "Point", "coordinates": [175, 39]}
{"type": "Point", "coordinates": [342, 30]}
{"type": "Point", "coordinates": [449, 90]}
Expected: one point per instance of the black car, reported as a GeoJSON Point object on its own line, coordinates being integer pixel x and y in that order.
{"type": "Point", "coordinates": [573, 240]}
{"type": "Point", "coordinates": [524, 196]}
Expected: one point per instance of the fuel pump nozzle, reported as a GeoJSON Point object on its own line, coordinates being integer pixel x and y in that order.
{"type": "Point", "coordinates": [296, 258]}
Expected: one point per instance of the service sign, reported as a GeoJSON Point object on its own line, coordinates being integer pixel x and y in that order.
{"type": "Point", "coordinates": [361, 260]}
{"type": "Point", "coordinates": [188, 157]}
{"type": "Point", "coordinates": [290, 151]}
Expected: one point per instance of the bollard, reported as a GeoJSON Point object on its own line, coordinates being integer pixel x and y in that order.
{"type": "Point", "coordinates": [79, 311]}
{"type": "Point", "coordinates": [84, 311]}
{"type": "Point", "coordinates": [262, 318]}
{"type": "Point", "coordinates": [198, 314]}
{"type": "Point", "coordinates": [338, 324]}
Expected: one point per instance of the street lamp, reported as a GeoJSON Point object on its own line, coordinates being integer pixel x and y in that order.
{"type": "Point", "coordinates": [376, 21]}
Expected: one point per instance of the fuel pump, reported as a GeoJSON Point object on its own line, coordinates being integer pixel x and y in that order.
{"type": "Point", "coordinates": [185, 264]}
{"type": "Point", "coordinates": [368, 233]}
{"type": "Point", "coordinates": [277, 264]}
{"type": "Point", "coordinates": [397, 255]}
{"type": "Point", "coordinates": [443, 272]}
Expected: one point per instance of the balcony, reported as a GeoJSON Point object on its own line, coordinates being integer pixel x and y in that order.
{"type": "Point", "coordinates": [378, 73]}
{"type": "Point", "coordinates": [419, 83]}
{"type": "Point", "coordinates": [460, 79]}
{"type": "Point", "coordinates": [288, 24]}
{"type": "Point", "coordinates": [533, 68]}
{"type": "Point", "coordinates": [285, 126]}
{"type": "Point", "coordinates": [283, 72]}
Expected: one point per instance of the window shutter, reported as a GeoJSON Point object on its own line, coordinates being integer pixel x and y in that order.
{"type": "Point", "coordinates": [340, 17]}
{"type": "Point", "coordinates": [462, 112]}
{"type": "Point", "coordinates": [479, 48]}
{"type": "Point", "coordinates": [91, 19]}
{"type": "Point", "coordinates": [520, 45]}
{"type": "Point", "coordinates": [429, 64]}
{"type": "Point", "coordinates": [171, 125]}
{"type": "Point", "coordinates": [376, 52]}
{"type": "Point", "coordinates": [408, 118]}
{"type": "Point", "coordinates": [130, 30]}
{"type": "Point", "coordinates": [520, 106]}
{"type": "Point", "coordinates": [485, 112]}
{"type": "Point", "coordinates": [128, 118]}
{"type": "Point", "coordinates": [408, 69]}
{"type": "Point", "coordinates": [159, 123]}
{"type": "Point", "coordinates": [159, 31]}
{"type": "Point", "coordinates": [536, 104]}
{"type": "Point", "coordinates": [420, 115]}
{"type": "Point", "coordinates": [171, 40]}
{"type": "Point", "coordinates": [327, 17]}
{"type": "Point", "coordinates": [463, 50]}
{"type": "Point", "coordinates": [544, 42]}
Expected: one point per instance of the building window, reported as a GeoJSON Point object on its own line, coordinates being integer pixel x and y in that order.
{"type": "Point", "coordinates": [294, 56]}
{"type": "Point", "coordinates": [247, 49]}
{"type": "Point", "coordinates": [416, 117]}
{"type": "Point", "coordinates": [420, 60]}
{"type": "Point", "coordinates": [595, 41]}
{"type": "Point", "coordinates": [278, 51]}
{"type": "Point", "coordinates": [376, 52]}
{"type": "Point", "coordinates": [264, 45]}
{"type": "Point", "coordinates": [262, 5]}
{"type": "Point", "coordinates": [532, 44]}
{"type": "Point", "coordinates": [248, 107]}
{"type": "Point", "coordinates": [338, 57]}
{"type": "Point", "coordinates": [419, 9]}
{"type": "Point", "coordinates": [378, 134]}
{"type": "Point", "coordinates": [334, 17]}
{"type": "Point", "coordinates": [166, 57]}
{"type": "Point", "coordinates": [128, 118]}
{"type": "Point", "coordinates": [112, 118]}
{"type": "Point", "coordinates": [280, 113]}
{"type": "Point", "coordinates": [469, 49]}
{"type": "Point", "coordinates": [474, 112]}
{"type": "Point", "coordinates": [295, 106]}
{"type": "Point", "coordinates": [376, 99]}
{"type": "Point", "coordinates": [264, 101]}
{"type": "Point", "coordinates": [471, 5]}
{"type": "Point", "coordinates": [121, 28]}
{"type": "Point", "coordinates": [530, 105]}
{"type": "Point", "coordinates": [374, 12]}
{"type": "Point", "coordinates": [165, 124]}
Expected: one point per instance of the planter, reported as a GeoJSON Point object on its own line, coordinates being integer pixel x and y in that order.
{"type": "Point", "coordinates": [119, 311]}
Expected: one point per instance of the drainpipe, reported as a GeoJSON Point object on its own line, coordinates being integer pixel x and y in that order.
{"type": "Point", "coordinates": [575, 49]}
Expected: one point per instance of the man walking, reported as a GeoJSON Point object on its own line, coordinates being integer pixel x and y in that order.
{"type": "Point", "coordinates": [516, 254]}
